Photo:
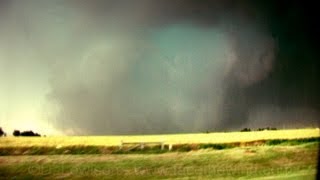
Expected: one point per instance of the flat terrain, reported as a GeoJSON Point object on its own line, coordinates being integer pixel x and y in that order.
{"type": "Point", "coordinates": [201, 138]}
{"type": "Point", "coordinates": [271, 162]}
{"type": "Point", "coordinates": [283, 154]}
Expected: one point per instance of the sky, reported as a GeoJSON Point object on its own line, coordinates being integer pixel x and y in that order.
{"type": "Point", "coordinates": [151, 67]}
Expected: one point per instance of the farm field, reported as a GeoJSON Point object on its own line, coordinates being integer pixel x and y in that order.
{"type": "Point", "coordinates": [265, 162]}
{"type": "Point", "coordinates": [285, 154]}
{"type": "Point", "coordinates": [200, 138]}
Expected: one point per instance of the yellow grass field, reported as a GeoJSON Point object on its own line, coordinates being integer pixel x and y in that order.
{"type": "Point", "coordinates": [228, 137]}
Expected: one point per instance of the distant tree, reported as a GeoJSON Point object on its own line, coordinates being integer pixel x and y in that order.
{"type": "Point", "coordinates": [245, 130]}
{"type": "Point", "coordinates": [2, 133]}
{"type": "Point", "coordinates": [29, 133]}
{"type": "Point", "coordinates": [267, 128]}
{"type": "Point", "coordinates": [16, 133]}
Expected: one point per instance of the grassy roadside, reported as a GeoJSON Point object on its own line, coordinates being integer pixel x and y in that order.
{"type": "Point", "coordinates": [281, 161]}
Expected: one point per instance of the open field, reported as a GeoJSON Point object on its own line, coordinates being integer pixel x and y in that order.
{"type": "Point", "coordinates": [281, 154]}
{"type": "Point", "coordinates": [201, 138]}
{"type": "Point", "coordinates": [273, 162]}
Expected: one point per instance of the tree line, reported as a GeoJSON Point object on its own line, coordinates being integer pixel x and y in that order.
{"type": "Point", "coordinates": [18, 133]}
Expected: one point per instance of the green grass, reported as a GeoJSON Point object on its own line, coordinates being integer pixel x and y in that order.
{"type": "Point", "coordinates": [217, 146]}
{"type": "Point", "coordinates": [278, 162]}
{"type": "Point", "coordinates": [287, 154]}
{"type": "Point", "coordinates": [292, 141]}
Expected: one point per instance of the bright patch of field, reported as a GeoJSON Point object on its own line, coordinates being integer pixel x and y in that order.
{"type": "Point", "coordinates": [201, 138]}
{"type": "Point", "coordinates": [271, 162]}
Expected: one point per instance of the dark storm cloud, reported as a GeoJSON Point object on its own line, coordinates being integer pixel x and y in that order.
{"type": "Point", "coordinates": [162, 66]}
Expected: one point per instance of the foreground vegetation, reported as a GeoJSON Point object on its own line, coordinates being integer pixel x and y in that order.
{"type": "Point", "coordinates": [281, 154]}
{"type": "Point", "coordinates": [274, 161]}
